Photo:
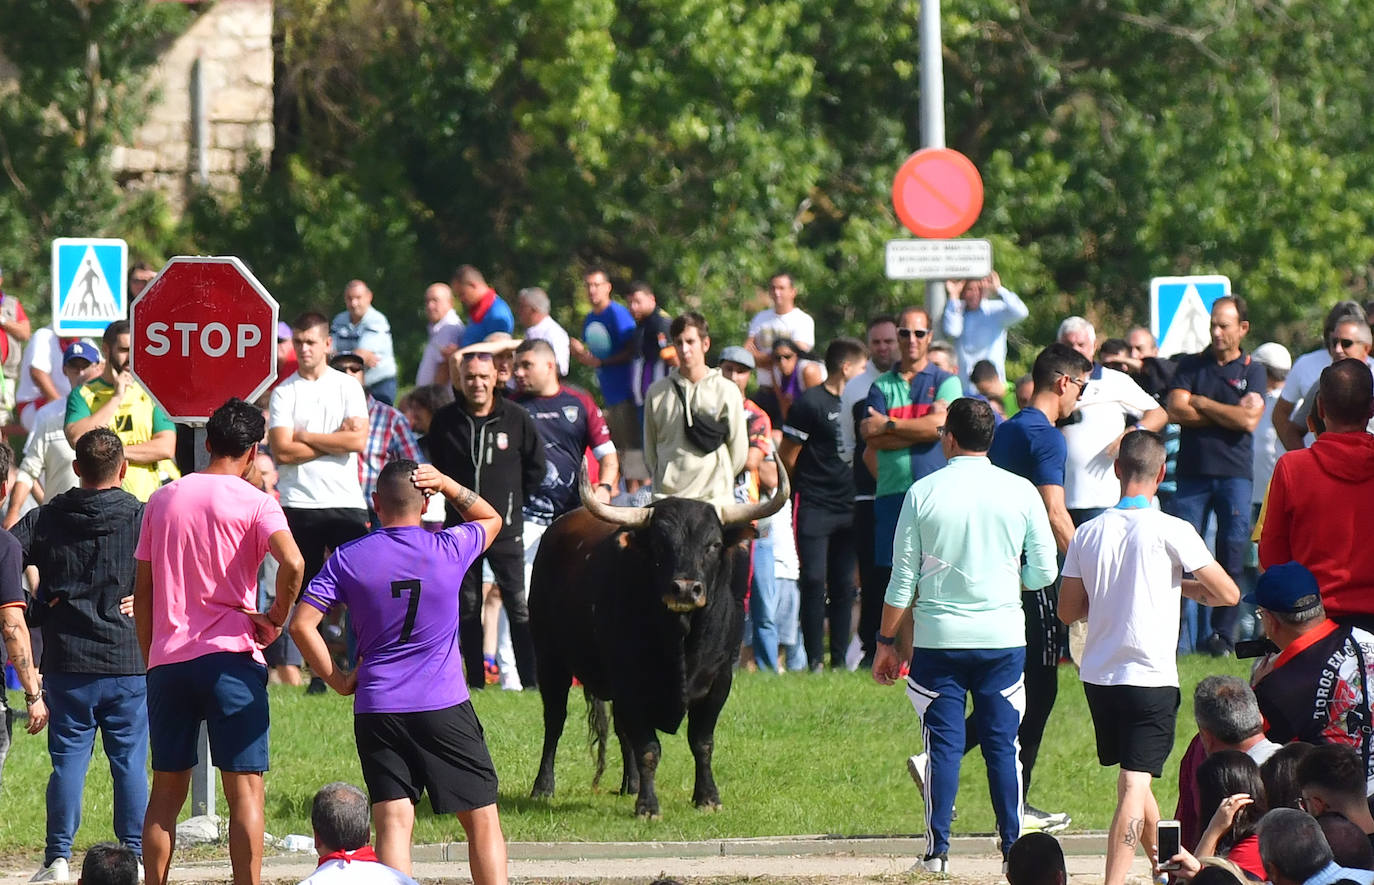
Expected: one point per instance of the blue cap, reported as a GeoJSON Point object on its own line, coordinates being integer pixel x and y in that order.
{"type": "Point", "coordinates": [81, 350]}
{"type": "Point", "coordinates": [1288, 588]}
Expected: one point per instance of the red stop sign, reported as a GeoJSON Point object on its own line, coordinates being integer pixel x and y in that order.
{"type": "Point", "coordinates": [204, 331]}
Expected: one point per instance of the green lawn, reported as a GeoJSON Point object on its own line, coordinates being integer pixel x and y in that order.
{"type": "Point", "coordinates": [794, 755]}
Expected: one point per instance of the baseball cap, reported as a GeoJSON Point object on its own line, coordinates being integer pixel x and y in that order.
{"type": "Point", "coordinates": [736, 354]}
{"type": "Point", "coordinates": [1288, 588]}
{"type": "Point", "coordinates": [1273, 356]}
{"type": "Point", "coordinates": [81, 350]}
{"type": "Point", "coordinates": [347, 358]}
{"type": "Point", "coordinates": [283, 331]}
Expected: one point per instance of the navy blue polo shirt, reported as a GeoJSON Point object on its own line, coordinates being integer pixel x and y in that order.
{"type": "Point", "coordinates": [1213, 450]}
{"type": "Point", "coordinates": [1028, 445]}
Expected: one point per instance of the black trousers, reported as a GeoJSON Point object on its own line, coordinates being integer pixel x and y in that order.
{"type": "Point", "coordinates": [873, 578]}
{"type": "Point", "coordinates": [825, 550]}
{"type": "Point", "coordinates": [317, 533]}
{"type": "Point", "coordinates": [1043, 638]}
{"type": "Point", "coordinates": [507, 558]}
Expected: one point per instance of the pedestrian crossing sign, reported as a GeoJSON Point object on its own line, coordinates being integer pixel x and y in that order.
{"type": "Point", "coordinates": [1181, 311]}
{"type": "Point", "coordinates": [89, 284]}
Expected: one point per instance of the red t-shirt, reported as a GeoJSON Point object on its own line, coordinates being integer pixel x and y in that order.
{"type": "Point", "coordinates": [19, 317]}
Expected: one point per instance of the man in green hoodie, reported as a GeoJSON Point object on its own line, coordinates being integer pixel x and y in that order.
{"type": "Point", "coordinates": [82, 543]}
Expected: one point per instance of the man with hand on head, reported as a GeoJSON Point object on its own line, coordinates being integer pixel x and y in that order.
{"type": "Point", "coordinates": [195, 595]}
{"type": "Point", "coordinates": [1124, 573]}
{"type": "Point", "coordinates": [979, 322]}
{"type": "Point", "coordinates": [398, 583]}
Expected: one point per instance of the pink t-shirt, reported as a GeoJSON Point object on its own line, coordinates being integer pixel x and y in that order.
{"type": "Point", "coordinates": [205, 536]}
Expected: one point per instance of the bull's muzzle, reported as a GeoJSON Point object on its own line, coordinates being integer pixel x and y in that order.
{"type": "Point", "coordinates": [685, 596]}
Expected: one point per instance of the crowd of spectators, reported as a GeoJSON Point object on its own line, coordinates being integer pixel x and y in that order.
{"type": "Point", "coordinates": [1136, 479]}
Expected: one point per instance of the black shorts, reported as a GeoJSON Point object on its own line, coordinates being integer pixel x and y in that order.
{"type": "Point", "coordinates": [440, 752]}
{"type": "Point", "coordinates": [1134, 725]}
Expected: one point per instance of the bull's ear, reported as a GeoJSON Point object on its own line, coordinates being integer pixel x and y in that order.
{"type": "Point", "coordinates": [739, 535]}
{"type": "Point", "coordinates": [628, 539]}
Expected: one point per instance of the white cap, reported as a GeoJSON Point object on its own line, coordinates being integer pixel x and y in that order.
{"type": "Point", "coordinates": [1273, 356]}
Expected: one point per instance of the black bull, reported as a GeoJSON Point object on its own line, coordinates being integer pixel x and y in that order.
{"type": "Point", "coordinates": [636, 603]}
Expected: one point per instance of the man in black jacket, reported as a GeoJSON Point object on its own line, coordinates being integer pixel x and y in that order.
{"type": "Point", "coordinates": [82, 543]}
{"type": "Point", "coordinates": [491, 445]}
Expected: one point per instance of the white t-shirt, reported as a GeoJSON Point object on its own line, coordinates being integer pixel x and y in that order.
{"type": "Point", "coordinates": [357, 872]}
{"type": "Point", "coordinates": [449, 330]}
{"type": "Point", "coordinates": [1306, 371]}
{"type": "Point", "coordinates": [856, 391]}
{"type": "Point", "coordinates": [768, 326]}
{"type": "Point", "coordinates": [1111, 398]}
{"type": "Point", "coordinates": [1268, 448]}
{"type": "Point", "coordinates": [319, 406]}
{"type": "Point", "coordinates": [548, 330]}
{"type": "Point", "coordinates": [779, 526]}
{"type": "Point", "coordinates": [1131, 563]}
{"type": "Point", "coordinates": [47, 454]}
{"type": "Point", "coordinates": [43, 352]}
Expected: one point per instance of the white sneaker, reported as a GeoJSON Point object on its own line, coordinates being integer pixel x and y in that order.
{"type": "Point", "coordinates": [936, 864]}
{"type": "Point", "coordinates": [916, 767]}
{"type": "Point", "coordinates": [1033, 818]}
{"type": "Point", "coordinates": [140, 871]}
{"type": "Point", "coordinates": [56, 871]}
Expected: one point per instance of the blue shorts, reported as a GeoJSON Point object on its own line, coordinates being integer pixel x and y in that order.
{"type": "Point", "coordinates": [227, 691]}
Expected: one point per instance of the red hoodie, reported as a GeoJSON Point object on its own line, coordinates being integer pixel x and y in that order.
{"type": "Point", "coordinates": [1319, 515]}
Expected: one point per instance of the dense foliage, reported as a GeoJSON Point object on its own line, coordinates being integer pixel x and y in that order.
{"type": "Point", "coordinates": [702, 143]}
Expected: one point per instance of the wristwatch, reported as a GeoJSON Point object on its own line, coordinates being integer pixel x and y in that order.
{"type": "Point", "coordinates": [890, 425]}
{"type": "Point", "coordinates": [885, 640]}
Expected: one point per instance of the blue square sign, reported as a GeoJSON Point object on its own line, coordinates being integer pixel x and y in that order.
{"type": "Point", "coordinates": [89, 284]}
{"type": "Point", "coordinates": [1181, 311]}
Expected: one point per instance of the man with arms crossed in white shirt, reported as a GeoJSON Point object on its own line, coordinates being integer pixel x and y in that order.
{"type": "Point", "coordinates": [1124, 573]}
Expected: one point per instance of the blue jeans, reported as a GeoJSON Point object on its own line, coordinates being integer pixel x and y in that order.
{"type": "Point", "coordinates": [1228, 498]}
{"type": "Point", "coordinates": [79, 704]}
{"type": "Point", "coordinates": [384, 390]}
{"type": "Point", "coordinates": [763, 602]}
{"type": "Point", "coordinates": [939, 682]}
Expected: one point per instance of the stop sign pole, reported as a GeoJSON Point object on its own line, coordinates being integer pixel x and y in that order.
{"type": "Point", "coordinates": [932, 79]}
{"type": "Point", "coordinates": [203, 331]}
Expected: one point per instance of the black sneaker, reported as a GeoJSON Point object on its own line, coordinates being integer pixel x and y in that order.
{"type": "Point", "coordinates": [316, 686]}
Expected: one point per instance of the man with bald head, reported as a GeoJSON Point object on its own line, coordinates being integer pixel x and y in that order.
{"type": "Point", "coordinates": [362, 329]}
{"type": "Point", "coordinates": [487, 313]}
{"type": "Point", "coordinates": [1316, 513]}
{"type": "Point", "coordinates": [445, 330]}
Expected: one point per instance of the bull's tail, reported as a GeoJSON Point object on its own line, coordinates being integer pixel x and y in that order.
{"type": "Point", "coordinates": [598, 725]}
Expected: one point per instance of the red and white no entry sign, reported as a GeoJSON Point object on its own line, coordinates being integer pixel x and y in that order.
{"type": "Point", "coordinates": [938, 193]}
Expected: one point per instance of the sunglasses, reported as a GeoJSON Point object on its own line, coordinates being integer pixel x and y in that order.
{"type": "Point", "coordinates": [912, 333]}
{"type": "Point", "coordinates": [1345, 343]}
{"type": "Point", "coordinates": [478, 355]}
{"type": "Point", "coordinates": [1082, 385]}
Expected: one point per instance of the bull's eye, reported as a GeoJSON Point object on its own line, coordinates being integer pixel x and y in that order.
{"type": "Point", "coordinates": [713, 546]}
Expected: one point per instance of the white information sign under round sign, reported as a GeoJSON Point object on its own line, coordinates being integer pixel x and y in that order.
{"type": "Point", "coordinates": [938, 259]}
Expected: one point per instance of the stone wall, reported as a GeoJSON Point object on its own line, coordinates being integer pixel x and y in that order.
{"type": "Point", "coordinates": [232, 39]}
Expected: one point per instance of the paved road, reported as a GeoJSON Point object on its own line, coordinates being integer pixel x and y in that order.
{"type": "Point", "coordinates": [974, 861]}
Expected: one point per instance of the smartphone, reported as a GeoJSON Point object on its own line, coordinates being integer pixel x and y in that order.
{"type": "Point", "coordinates": [1254, 648]}
{"type": "Point", "coordinates": [1166, 837]}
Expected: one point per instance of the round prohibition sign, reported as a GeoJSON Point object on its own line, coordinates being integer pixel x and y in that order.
{"type": "Point", "coordinates": [937, 193]}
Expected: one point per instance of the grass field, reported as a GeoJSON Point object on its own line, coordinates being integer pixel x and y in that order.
{"type": "Point", "coordinates": [794, 755]}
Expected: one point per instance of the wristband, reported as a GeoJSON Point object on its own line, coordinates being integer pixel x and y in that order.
{"type": "Point", "coordinates": [885, 640]}
{"type": "Point", "coordinates": [31, 699]}
{"type": "Point", "coordinates": [606, 486]}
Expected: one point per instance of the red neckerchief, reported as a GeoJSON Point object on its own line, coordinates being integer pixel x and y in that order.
{"type": "Point", "coordinates": [364, 853]}
{"type": "Point", "coordinates": [1304, 642]}
{"type": "Point", "coordinates": [483, 306]}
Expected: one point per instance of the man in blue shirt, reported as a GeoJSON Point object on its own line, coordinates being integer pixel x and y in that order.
{"type": "Point", "coordinates": [608, 345]}
{"type": "Point", "coordinates": [1217, 399]}
{"type": "Point", "coordinates": [1029, 445]}
{"type": "Point", "coordinates": [957, 573]}
{"type": "Point", "coordinates": [979, 323]}
{"type": "Point", "coordinates": [487, 314]}
{"type": "Point", "coordinates": [362, 329]}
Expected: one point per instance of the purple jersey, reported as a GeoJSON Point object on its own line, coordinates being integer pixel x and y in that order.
{"type": "Point", "coordinates": [401, 586]}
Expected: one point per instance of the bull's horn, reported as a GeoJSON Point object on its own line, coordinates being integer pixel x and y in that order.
{"type": "Point", "coordinates": [737, 514]}
{"type": "Point", "coordinates": [630, 517]}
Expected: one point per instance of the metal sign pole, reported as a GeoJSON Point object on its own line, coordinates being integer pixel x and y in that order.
{"type": "Point", "coordinates": [203, 775]}
{"type": "Point", "coordinates": [932, 120]}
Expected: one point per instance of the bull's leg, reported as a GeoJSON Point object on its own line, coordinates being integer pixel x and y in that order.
{"type": "Point", "coordinates": [629, 778]}
{"type": "Point", "coordinates": [701, 737]}
{"type": "Point", "coordinates": [644, 740]}
{"type": "Point", "coordinates": [554, 683]}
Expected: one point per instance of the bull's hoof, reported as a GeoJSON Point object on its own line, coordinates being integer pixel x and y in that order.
{"type": "Point", "coordinates": [644, 812]}
{"type": "Point", "coordinates": [541, 792]}
{"type": "Point", "coordinates": [710, 804]}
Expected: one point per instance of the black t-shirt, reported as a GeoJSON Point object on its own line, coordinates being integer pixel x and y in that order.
{"type": "Point", "coordinates": [864, 483]}
{"type": "Point", "coordinates": [11, 569]}
{"type": "Point", "coordinates": [822, 479]}
{"type": "Point", "coordinates": [1213, 450]}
